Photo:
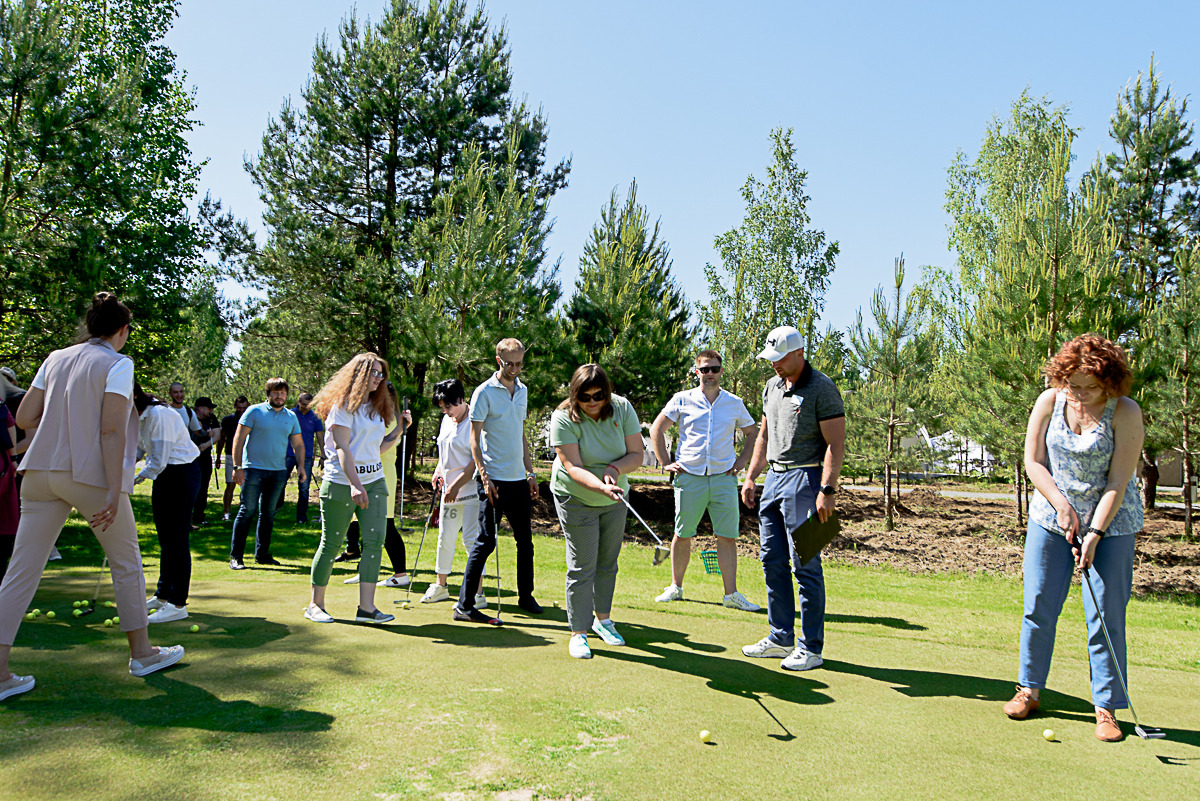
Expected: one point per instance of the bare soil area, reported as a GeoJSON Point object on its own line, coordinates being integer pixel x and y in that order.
{"type": "Point", "coordinates": [933, 534]}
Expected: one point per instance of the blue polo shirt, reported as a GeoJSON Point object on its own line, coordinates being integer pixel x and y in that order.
{"type": "Point", "coordinates": [267, 444]}
{"type": "Point", "coordinates": [310, 426]}
{"type": "Point", "coordinates": [502, 438]}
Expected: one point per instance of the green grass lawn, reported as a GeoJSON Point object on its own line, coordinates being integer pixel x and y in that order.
{"type": "Point", "coordinates": [269, 706]}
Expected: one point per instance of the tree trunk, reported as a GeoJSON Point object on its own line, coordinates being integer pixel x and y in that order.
{"type": "Point", "coordinates": [1020, 509]}
{"type": "Point", "coordinates": [888, 521]}
{"type": "Point", "coordinates": [1149, 479]}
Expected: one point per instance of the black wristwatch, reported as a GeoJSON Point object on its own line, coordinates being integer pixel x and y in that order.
{"type": "Point", "coordinates": [828, 489]}
{"type": "Point", "coordinates": [1099, 532]}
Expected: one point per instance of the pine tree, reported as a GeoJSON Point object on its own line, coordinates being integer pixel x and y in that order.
{"type": "Point", "coordinates": [895, 361]}
{"type": "Point", "coordinates": [628, 314]}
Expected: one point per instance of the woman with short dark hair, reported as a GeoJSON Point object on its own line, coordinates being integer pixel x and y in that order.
{"type": "Point", "coordinates": [598, 439]}
{"type": "Point", "coordinates": [81, 456]}
{"type": "Point", "coordinates": [1081, 448]}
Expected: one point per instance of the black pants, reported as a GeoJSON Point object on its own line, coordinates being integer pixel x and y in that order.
{"type": "Point", "coordinates": [6, 549]}
{"type": "Point", "coordinates": [206, 471]}
{"type": "Point", "coordinates": [171, 500]}
{"type": "Point", "coordinates": [514, 504]}
{"type": "Point", "coordinates": [392, 543]}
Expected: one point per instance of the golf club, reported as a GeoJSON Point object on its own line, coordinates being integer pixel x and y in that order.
{"type": "Point", "coordinates": [433, 501]}
{"type": "Point", "coordinates": [496, 528]}
{"type": "Point", "coordinates": [1145, 732]}
{"type": "Point", "coordinates": [661, 552]}
{"type": "Point", "coordinates": [96, 593]}
{"type": "Point", "coordinates": [403, 459]}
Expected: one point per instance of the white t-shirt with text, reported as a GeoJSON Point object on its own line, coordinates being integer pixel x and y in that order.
{"type": "Point", "coordinates": [367, 430]}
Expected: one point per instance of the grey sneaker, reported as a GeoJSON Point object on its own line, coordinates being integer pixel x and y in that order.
{"type": "Point", "coordinates": [802, 659]}
{"type": "Point", "coordinates": [607, 631]}
{"type": "Point", "coordinates": [166, 656]}
{"type": "Point", "coordinates": [15, 685]}
{"type": "Point", "coordinates": [671, 593]}
{"type": "Point", "coordinates": [378, 617]}
{"type": "Point", "coordinates": [766, 647]}
{"type": "Point", "coordinates": [735, 600]}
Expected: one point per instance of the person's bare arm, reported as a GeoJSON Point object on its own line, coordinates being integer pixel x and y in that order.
{"type": "Point", "coordinates": [834, 432]}
{"type": "Point", "coordinates": [1036, 463]}
{"type": "Point", "coordinates": [114, 422]}
{"type": "Point", "coordinates": [758, 463]}
{"type": "Point", "coordinates": [298, 448]}
{"type": "Point", "coordinates": [658, 442]}
{"type": "Point", "coordinates": [29, 413]}
{"type": "Point", "coordinates": [568, 456]}
{"type": "Point", "coordinates": [477, 457]}
{"type": "Point", "coordinates": [239, 440]}
{"type": "Point", "coordinates": [749, 435]}
{"type": "Point", "coordinates": [530, 476]}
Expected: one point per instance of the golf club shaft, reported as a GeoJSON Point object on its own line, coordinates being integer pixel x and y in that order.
{"type": "Point", "coordinates": [1087, 578]}
{"type": "Point", "coordinates": [643, 522]}
{"type": "Point", "coordinates": [416, 562]}
{"type": "Point", "coordinates": [496, 530]}
{"type": "Point", "coordinates": [403, 459]}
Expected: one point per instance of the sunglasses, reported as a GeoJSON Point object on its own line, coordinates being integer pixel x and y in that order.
{"type": "Point", "coordinates": [513, 365]}
{"type": "Point", "coordinates": [592, 397]}
{"type": "Point", "coordinates": [377, 373]}
{"type": "Point", "coordinates": [715, 368]}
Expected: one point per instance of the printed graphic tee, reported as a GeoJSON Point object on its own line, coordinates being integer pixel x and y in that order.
{"type": "Point", "coordinates": [367, 430]}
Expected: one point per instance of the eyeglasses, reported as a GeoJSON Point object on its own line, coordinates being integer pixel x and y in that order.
{"type": "Point", "coordinates": [377, 374]}
{"type": "Point", "coordinates": [592, 397]}
{"type": "Point", "coordinates": [513, 365]}
{"type": "Point", "coordinates": [715, 368]}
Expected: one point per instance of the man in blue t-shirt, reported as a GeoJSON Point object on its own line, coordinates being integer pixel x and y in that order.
{"type": "Point", "coordinates": [310, 426]}
{"type": "Point", "coordinates": [260, 468]}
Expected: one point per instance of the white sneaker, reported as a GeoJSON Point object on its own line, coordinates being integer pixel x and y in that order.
{"type": "Point", "coordinates": [395, 581]}
{"type": "Point", "coordinates": [153, 603]}
{"type": "Point", "coordinates": [165, 656]}
{"type": "Point", "coordinates": [607, 631]}
{"type": "Point", "coordinates": [766, 647]}
{"type": "Point", "coordinates": [168, 612]}
{"type": "Point", "coordinates": [352, 580]}
{"type": "Point", "coordinates": [578, 647]}
{"type": "Point", "coordinates": [435, 593]}
{"type": "Point", "coordinates": [225, 517]}
{"type": "Point", "coordinates": [481, 601]}
{"type": "Point", "coordinates": [671, 593]}
{"type": "Point", "coordinates": [54, 554]}
{"type": "Point", "coordinates": [317, 615]}
{"type": "Point", "coordinates": [735, 600]}
{"type": "Point", "coordinates": [802, 659]}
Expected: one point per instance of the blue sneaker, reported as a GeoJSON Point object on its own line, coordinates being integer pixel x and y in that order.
{"type": "Point", "coordinates": [607, 631]}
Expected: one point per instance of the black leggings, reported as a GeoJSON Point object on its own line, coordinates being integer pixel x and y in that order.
{"type": "Point", "coordinates": [6, 549]}
{"type": "Point", "coordinates": [392, 543]}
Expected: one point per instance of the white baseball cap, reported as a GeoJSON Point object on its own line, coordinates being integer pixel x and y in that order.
{"type": "Point", "coordinates": [780, 342]}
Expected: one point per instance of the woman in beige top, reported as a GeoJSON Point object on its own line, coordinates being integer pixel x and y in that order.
{"type": "Point", "coordinates": [81, 456]}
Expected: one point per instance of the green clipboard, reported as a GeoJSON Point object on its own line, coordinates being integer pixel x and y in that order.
{"type": "Point", "coordinates": [812, 535]}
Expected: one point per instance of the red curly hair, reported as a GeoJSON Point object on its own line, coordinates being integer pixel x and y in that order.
{"type": "Point", "coordinates": [1092, 355]}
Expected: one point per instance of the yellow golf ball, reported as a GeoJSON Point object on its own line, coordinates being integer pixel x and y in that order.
{"type": "Point", "coordinates": [109, 604]}
{"type": "Point", "coordinates": [116, 620]}
{"type": "Point", "coordinates": [37, 612]}
{"type": "Point", "coordinates": [705, 736]}
{"type": "Point", "coordinates": [1049, 734]}
{"type": "Point", "coordinates": [30, 616]}
{"type": "Point", "coordinates": [108, 623]}
{"type": "Point", "coordinates": [77, 612]}
{"type": "Point", "coordinates": [77, 604]}
{"type": "Point", "coordinates": [50, 615]}
{"type": "Point", "coordinates": [85, 603]}
{"type": "Point", "coordinates": [194, 628]}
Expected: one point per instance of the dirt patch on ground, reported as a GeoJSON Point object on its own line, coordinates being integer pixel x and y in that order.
{"type": "Point", "coordinates": [933, 534]}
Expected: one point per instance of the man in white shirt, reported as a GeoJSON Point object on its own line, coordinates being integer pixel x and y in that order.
{"type": "Point", "coordinates": [704, 472]}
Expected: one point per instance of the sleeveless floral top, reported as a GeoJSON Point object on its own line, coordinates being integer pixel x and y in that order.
{"type": "Point", "coordinates": [1079, 464]}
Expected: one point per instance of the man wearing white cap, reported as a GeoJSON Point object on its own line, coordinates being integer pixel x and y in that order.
{"type": "Point", "coordinates": [802, 442]}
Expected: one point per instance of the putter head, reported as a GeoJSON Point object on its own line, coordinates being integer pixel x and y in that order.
{"type": "Point", "coordinates": [92, 608]}
{"type": "Point", "coordinates": [661, 554]}
{"type": "Point", "coordinates": [1149, 732]}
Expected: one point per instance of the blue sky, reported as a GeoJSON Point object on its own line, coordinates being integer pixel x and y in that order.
{"type": "Point", "coordinates": [681, 96]}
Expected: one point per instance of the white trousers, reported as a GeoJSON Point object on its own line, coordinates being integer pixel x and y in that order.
{"type": "Point", "coordinates": [459, 516]}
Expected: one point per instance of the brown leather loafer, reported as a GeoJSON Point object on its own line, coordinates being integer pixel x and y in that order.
{"type": "Point", "coordinates": [1022, 705]}
{"type": "Point", "coordinates": [1107, 729]}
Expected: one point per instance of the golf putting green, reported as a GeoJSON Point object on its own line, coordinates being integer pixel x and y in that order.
{"type": "Point", "coordinates": [268, 705]}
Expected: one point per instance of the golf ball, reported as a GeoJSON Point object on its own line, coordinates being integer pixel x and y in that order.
{"type": "Point", "coordinates": [50, 615]}
{"type": "Point", "coordinates": [77, 604]}
{"type": "Point", "coordinates": [85, 603]}
{"type": "Point", "coordinates": [37, 612]}
{"type": "Point", "coordinates": [30, 616]}
{"type": "Point", "coordinates": [77, 613]}
{"type": "Point", "coordinates": [108, 623]}
{"type": "Point", "coordinates": [194, 628]}
{"type": "Point", "coordinates": [705, 736]}
{"type": "Point", "coordinates": [109, 604]}
{"type": "Point", "coordinates": [116, 620]}
{"type": "Point", "coordinates": [1049, 734]}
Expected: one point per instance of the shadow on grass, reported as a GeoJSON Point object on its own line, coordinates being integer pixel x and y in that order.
{"type": "Point", "coordinates": [740, 676]}
{"type": "Point", "coordinates": [889, 622]}
{"type": "Point", "coordinates": [474, 635]}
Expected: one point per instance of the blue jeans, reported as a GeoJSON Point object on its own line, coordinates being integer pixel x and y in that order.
{"type": "Point", "coordinates": [1048, 567]}
{"type": "Point", "coordinates": [302, 500]}
{"type": "Point", "coordinates": [260, 496]}
{"type": "Point", "coordinates": [789, 499]}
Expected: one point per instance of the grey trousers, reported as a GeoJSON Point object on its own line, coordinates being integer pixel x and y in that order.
{"type": "Point", "coordinates": [594, 535]}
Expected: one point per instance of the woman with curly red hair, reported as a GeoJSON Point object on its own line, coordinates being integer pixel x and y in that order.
{"type": "Point", "coordinates": [1081, 449]}
{"type": "Point", "coordinates": [357, 410]}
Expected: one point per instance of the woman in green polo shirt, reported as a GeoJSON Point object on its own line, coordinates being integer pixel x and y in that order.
{"type": "Point", "coordinates": [598, 439]}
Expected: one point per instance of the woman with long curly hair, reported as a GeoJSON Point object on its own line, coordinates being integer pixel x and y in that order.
{"type": "Point", "coordinates": [1081, 448]}
{"type": "Point", "coordinates": [357, 410]}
